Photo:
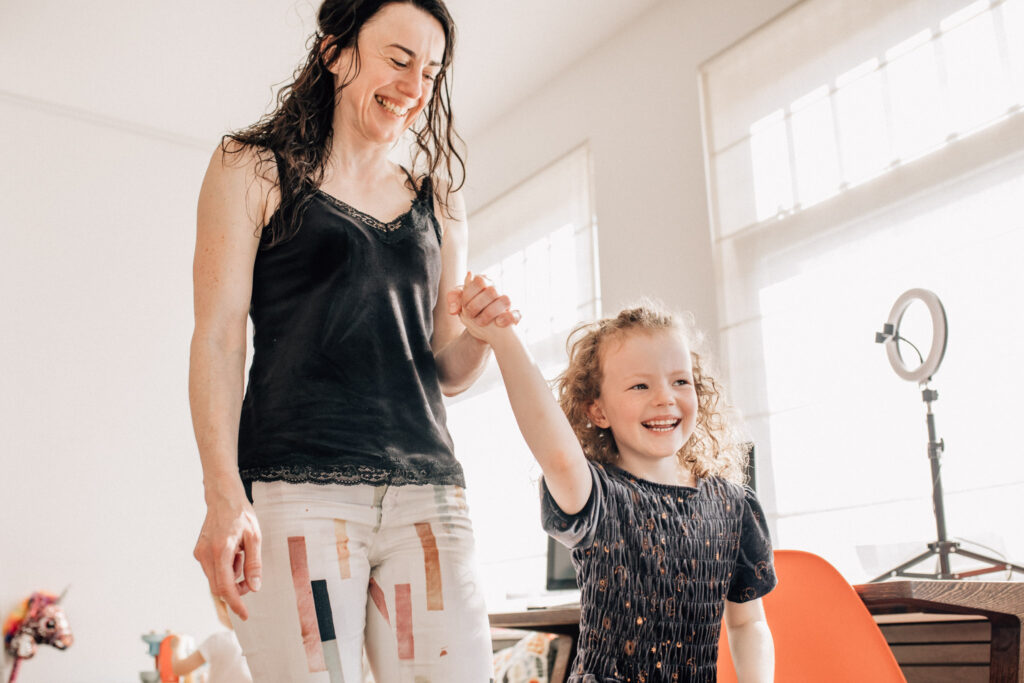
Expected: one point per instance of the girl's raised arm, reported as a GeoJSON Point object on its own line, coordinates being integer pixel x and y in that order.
{"type": "Point", "coordinates": [542, 423]}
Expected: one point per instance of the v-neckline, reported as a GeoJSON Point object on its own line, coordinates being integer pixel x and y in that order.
{"type": "Point", "coordinates": [376, 223]}
{"type": "Point", "coordinates": [384, 226]}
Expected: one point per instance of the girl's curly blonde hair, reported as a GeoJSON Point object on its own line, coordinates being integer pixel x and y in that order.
{"type": "Point", "coordinates": [716, 446]}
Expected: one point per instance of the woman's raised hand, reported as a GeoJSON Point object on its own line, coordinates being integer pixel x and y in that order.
{"type": "Point", "coordinates": [229, 550]}
{"type": "Point", "coordinates": [478, 304]}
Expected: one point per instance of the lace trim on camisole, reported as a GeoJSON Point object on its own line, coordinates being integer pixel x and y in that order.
{"type": "Point", "coordinates": [355, 474]}
{"type": "Point", "coordinates": [366, 218]}
{"type": "Point", "coordinates": [420, 214]}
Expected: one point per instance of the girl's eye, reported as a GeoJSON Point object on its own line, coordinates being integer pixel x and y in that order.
{"type": "Point", "coordinates": [682, 382]}
{"type": "Point", "coordinates": [639, 386]}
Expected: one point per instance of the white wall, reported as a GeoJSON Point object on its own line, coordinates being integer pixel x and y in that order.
{"type": "Point", "coordinates": [100, 482]}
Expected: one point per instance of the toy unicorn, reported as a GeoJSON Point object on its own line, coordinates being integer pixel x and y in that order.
{"type": "Point", "coordinates": [39, 620]}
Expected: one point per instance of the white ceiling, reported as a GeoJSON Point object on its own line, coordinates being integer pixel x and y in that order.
{"type": "Point", "coordinates": [194, 68]}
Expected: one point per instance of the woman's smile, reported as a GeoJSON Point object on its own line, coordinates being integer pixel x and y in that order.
{"type": "Point", "coordinates": [391, 107]}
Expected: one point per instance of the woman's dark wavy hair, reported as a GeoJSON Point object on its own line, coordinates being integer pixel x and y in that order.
{"type": "Point", "coordinates": [297, 134]}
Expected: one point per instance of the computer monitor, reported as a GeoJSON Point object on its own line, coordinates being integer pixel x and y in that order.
{"type": "Point", "coordinates": [561, 573]}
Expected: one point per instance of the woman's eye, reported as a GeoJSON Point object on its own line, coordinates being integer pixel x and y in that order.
{"type": "Point", "coordinates": [399, 64]}
{"type": "Point", "coordinates": [428, 77]}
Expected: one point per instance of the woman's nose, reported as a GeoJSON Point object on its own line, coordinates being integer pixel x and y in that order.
{"type": "Point", "coordinates": [411, 85]}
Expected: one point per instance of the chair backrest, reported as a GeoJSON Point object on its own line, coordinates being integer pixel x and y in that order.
{"type": "Point", "coordinates": [822, 630]}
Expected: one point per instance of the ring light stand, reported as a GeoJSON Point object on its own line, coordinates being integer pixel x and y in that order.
{"type": "Point", "coordinates": [922, 375]}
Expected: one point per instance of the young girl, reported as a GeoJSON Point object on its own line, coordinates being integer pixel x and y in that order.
{"type": "Point", "coordinates": [642, 482]}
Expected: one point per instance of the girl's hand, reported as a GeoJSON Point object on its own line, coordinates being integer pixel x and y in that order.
{"type": "Point", "coordinates": [478, 304]}
{"type": "Point", "coordinates": [229, 550]}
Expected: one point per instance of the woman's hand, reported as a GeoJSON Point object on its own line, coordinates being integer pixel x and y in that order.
{"type": "Point", "coordinates": [478, 304]}
{"type": "Point", "coordinates": [229, 550]}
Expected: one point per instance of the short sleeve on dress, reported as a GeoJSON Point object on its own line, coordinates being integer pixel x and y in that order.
{"type": "Point", "coordinates": [572, 530]}
{"type": "Point", "coordinates": [754, 574]}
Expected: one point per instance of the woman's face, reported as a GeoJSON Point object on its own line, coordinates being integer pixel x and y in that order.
{"type": "Point", "coordinates": [400, 53]}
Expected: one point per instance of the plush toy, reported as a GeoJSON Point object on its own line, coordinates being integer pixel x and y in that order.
{"type": "Point", "coordinates": [38, 620]}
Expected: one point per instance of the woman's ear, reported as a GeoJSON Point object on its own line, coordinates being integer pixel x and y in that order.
{"type": "Point", "coordinates": [597, 416]}
{"type": "Point", "coordinates": [337, 59]}
{"type": "Point", "coordinates": [327, 50]}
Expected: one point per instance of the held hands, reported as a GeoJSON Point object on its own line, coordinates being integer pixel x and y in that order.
{"type": "Point", "coordinates": [229, 550]}
{"type": "Point", "coordinates": [478, 304]}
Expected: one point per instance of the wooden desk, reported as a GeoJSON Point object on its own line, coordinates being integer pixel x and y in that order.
{"type": "Point", "coordinates": [564, 620]}
{"type": "Point", "coordinates": [1002, 603]}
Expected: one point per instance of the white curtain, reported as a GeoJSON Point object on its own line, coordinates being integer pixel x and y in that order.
{"type": "Point", "coordinates": [856, 150]}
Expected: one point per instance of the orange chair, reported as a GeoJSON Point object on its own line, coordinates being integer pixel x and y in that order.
{"type": "Point", "coordinates": [822, 630]}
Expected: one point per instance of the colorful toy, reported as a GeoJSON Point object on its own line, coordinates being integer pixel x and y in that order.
{"type": "Point", "coordinates": [38, 620]}
{"type": "Point", "coordinates": [164, 647]}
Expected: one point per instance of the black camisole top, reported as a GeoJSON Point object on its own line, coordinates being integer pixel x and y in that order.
{"type": "Point", "coordinates": [343, 388]}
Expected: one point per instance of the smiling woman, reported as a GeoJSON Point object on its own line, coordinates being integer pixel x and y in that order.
{"type": "Point", "coordinates": [335, 507]}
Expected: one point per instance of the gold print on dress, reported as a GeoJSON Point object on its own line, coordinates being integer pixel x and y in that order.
{"type": "Point", "coordinates": [621, 575]}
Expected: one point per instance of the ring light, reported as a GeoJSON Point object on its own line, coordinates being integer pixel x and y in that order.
{"type": "Point", "coordinates": [943, 548]}
{"type": "Point", "coordinates": [930, 365]}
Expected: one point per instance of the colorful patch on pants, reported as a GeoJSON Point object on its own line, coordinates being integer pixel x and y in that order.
{"type": "Point", "coordinates": [432, 566]}
{"type": "Point", "coordinates": [325, 626]}
{"type": "Point", "coordinates": [403, 621]}
{"type": "Point", "coordinates": [305, 604]}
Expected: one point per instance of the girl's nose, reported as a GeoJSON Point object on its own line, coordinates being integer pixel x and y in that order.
{"type": "Point", "coordinates": [663, 395]}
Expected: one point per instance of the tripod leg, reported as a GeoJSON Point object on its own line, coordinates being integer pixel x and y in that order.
{"type": "Point", "coordinates": [991, 560]}
{"type": "Point", "coordinates": [906, 565]}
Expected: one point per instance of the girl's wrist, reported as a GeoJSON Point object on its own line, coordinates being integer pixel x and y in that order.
{"type": "Point", "coordinates": [503, 336]}
{"type": "Point", "coordinates": [477, 342]}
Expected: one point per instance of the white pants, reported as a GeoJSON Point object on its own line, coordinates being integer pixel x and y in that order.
{"type": "Point", "coordinates": [391, 567]}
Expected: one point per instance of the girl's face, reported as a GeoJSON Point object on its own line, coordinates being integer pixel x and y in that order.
{"type": "Point", "coordinates": [647, 397]}
{"type": "Point", "coordinates": [400, 53]}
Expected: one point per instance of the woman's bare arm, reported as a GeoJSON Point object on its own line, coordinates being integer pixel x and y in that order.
{"type": "Point", "coordinates": [460, 356]}
{"type": "Point", "coordinates": [230, 213]}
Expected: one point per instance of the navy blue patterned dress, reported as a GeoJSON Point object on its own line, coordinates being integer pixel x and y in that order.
{"type": "Point", "coordinates": [655, 564]}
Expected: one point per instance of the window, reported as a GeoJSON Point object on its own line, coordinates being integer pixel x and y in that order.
{"type": "Point", "coordinates": [538, 243]}
{"type": "Point", "coordinates": [856, 150]}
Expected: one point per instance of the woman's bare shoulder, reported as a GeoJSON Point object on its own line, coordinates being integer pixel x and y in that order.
{"type": "Point", "coordinates": [242, 178]}
{"type": "Point", "coordinates": [452, 214]}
